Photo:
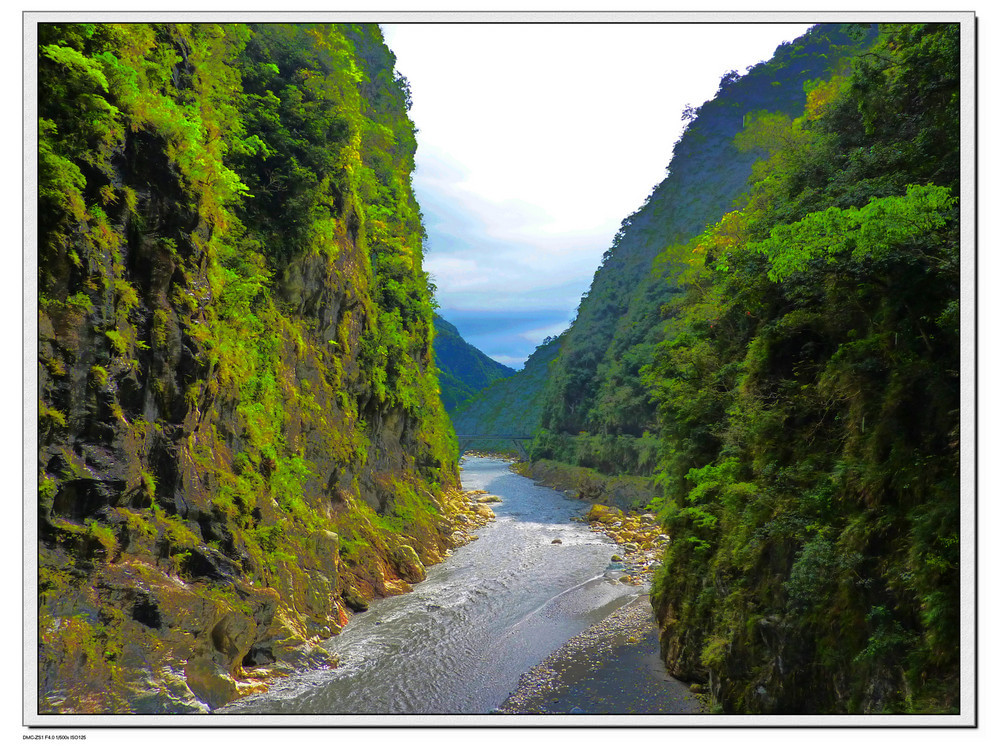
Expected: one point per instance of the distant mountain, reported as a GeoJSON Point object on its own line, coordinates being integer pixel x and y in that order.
{"type": "Point", "coordinates": [511, 405]}
{"type": "Point", "coordinates": [464, 370]}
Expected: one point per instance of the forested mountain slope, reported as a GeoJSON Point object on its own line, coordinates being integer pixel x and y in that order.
{"type": "Point", "coordinates": [595, 408]}
{"type": "Point", "coordinates": [774, 338]}
{"type": "Point", "coordinates": [239, 426]}
{"type": "Point", "coordinates": [464, 370]}
{"type": "Point", "coordinates": [808, 386]}
{"type": "Point", "coordinates": [511, 406]}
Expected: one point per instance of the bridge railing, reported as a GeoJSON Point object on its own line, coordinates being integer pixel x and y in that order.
{"type": "Point", "coordinates": [521, 437]}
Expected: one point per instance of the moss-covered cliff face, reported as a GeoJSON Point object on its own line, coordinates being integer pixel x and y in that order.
{"type": "Point", "coordinates": [239, 425]}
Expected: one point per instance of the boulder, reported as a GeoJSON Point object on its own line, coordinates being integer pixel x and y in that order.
{"type": "Point", "coordinates": [211, 683]}
{"type": "Point", "coordinates": [407, 562]}
{"type": "Point", "coordinates": [326, 546]}
{"type": "Point", "coordinates": [355, 601]}
{"type": "Point", "coordinates": [232, 636]}
{"type": "Point", "coordinates": [603, 514]}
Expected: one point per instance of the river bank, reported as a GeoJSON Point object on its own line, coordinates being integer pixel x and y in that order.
{"type": "Point", "coordinates": [627, 493]}
{"type": "Point", "coordinates": [488, 613]}
{"type": "Point", "coordinates": [613, 668]}
{"type": "Point", "coordinates": [462, 514]}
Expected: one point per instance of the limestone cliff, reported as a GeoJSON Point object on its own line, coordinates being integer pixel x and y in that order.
{"type": "Point", "coordinates": [239, 423]}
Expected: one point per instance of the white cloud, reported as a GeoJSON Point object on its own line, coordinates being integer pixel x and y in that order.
{"type": "Point", "coordinates": [460, 275]}
{"type": "Point", "coordinates": [536, 335]}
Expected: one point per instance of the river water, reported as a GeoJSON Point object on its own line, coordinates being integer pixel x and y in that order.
{"type": "Point", "coordinates": [483, 617]}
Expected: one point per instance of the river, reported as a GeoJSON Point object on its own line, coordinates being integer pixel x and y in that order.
{"type": "Point", "coordinates": [483, 617]}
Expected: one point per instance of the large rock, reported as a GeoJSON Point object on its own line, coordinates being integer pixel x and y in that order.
{"type": "Point", "coordinates": [410, 567]}
{"type": "Point", "coordinates": [355, 601]}
{"type": "Point", "coordinates": [210, 682]}
{"type": "Point", "coordinates": [603, 514]}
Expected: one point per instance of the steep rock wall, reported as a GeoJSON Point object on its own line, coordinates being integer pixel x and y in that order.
{"type": "Point", "coordinates": [239, 426]}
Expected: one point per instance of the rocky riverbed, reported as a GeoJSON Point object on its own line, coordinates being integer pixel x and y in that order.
{"type": "Point", "coordinates": [613, 668]}
{"type": "Point", "coordinates": [639, 536]}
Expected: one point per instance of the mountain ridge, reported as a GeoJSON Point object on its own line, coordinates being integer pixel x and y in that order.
{"type": "Point", "coordinates": [464, 369]}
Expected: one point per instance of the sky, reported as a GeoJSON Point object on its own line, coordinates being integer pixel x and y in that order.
{"type": "Point", "coordinates": [535, 141]}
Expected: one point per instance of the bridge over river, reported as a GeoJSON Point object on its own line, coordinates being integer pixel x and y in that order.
{"type": "Point", "coordinates": [518, 441]}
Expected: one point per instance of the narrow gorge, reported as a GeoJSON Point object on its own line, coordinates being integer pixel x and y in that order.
{"type": "Point", "coordinates": [248, 399]}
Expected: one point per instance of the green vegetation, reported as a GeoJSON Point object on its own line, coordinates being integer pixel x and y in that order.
{"type": "Point", "coordinates": [464, 370]}
{"type": "Point", "coordinates": [509, 406]}
{"type": "Point", "coordinates": [809, 400]}
{"type": "Point", "coordinates": [233, 306]}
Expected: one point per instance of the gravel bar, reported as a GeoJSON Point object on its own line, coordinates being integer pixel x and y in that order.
{"type": "Point", "coordinates": [613, 668]}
